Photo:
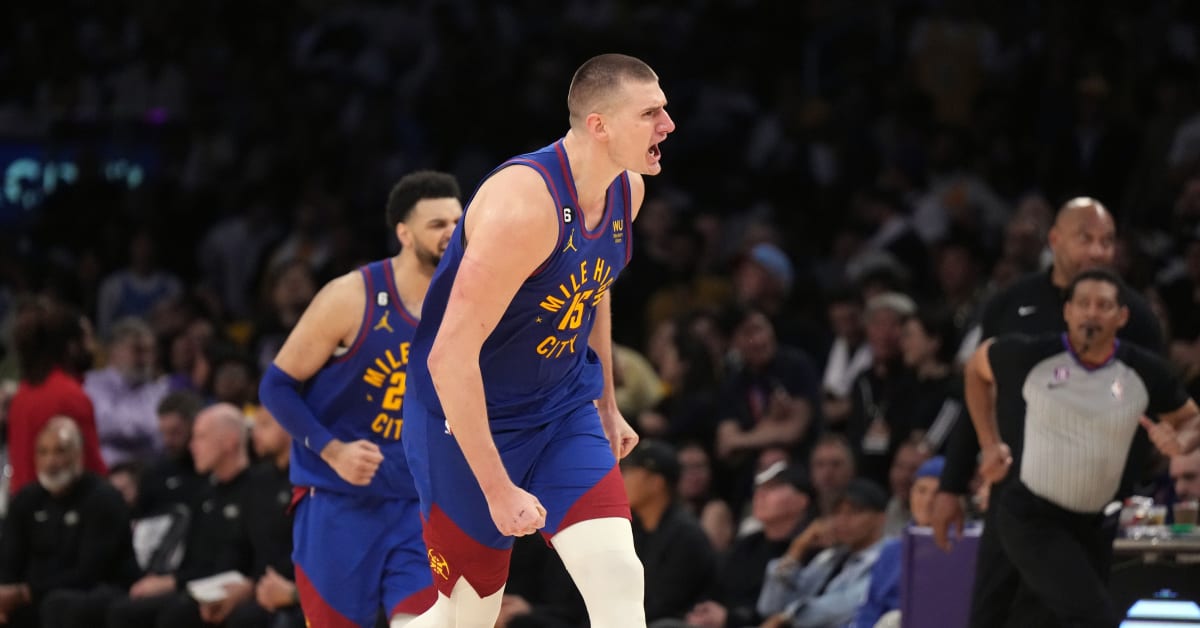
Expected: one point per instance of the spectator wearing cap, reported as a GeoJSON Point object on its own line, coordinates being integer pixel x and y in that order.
{"type": "Point", "coordinates": [827, 591]}
{"type": "Point", "coordinates": [679, 561]}
{"type": "Point", "coordinates": [771, 399]}
{"type": "Point", "coordinates": [880, 417]}
{"type": "Point", "coordinates": [763, 278]}
{"type": "Point", "coordinates": [782, 497]}
{"type": "Point", "coordinates": [883, 595]}
{"type": "Point", "coordinates": [909, 457]}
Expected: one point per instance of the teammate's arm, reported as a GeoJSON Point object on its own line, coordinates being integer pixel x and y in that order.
{"type": "Point", "coordinates": [512, 206]}
{"type": "Point", "coordinates": [331, 319]}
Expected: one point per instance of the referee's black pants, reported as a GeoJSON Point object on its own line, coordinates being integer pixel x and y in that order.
{"type": "Point", "coordinates": [1042, 566]}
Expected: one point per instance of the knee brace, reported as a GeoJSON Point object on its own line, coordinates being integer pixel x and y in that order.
{"type": "Point", "coordinates": [599, 555]}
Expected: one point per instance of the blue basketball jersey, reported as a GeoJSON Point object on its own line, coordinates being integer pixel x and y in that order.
{"type": "Point", "coordinates": [360, 394]}
{"type": "Point", "coordinates": [537, 364]}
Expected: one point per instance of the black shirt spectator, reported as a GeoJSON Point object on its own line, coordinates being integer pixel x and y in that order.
{"type": "Point", "coordinates": [78, 540]}
{"type": "Point", "coordinates": [217, 539]}
{"type": "Point", "coordinates": [171, 479]}
{"type": "Point", "coordinates": [678, 559]}
{"type": "Point", "coordinates": [268, 524]}
{"type": "Point", "coordinates": [168, 482]}
{"type": "Point", "coordinates": [773, 399]}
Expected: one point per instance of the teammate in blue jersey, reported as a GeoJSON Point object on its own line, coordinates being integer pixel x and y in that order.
{"type": "Point", "coordinates": [338, 386]}
{"type": "Point", "coordinates": [512, 422]}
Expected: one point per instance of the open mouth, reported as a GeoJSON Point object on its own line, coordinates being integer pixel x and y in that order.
{"type": "Point", "coordinates": [654, 152]}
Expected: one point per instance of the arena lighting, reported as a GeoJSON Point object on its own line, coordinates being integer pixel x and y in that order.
{"type": "Point", "coordinates": [1164, 610]}
{"type": "Point", "coordinates": [30, 171]}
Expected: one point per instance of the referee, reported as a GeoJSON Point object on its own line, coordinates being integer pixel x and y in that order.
{"type": "Point", "coordinates": [1075, 400]}
{"type": "Point", "coordinates": [1083, 237]}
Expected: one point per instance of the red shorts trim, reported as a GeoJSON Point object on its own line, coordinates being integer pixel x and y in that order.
{"type": "Point", "coordinates": [416, 603]}
{"type": "Point", "coordinates": [453, 554]}
{"type": "Point", "coordinates": [316, 610]}
{"type": "Point", "coordinates": [606, 499]}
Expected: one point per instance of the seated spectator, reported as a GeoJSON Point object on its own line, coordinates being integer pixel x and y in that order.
{"type": "Point", "coordinates": [782, 497]}
{"type": "Point", "coordinates": [881, 417]}
{"type": "Point", "coordinates": [51, 342]}
{"type": "Point", "coordinates": [907, 460]}
{"type": "Point", "coordinates": [136, 289]}
{"type": "Point", "coordinates": [171, 479]}
{"type": "Point", "coordinates": [125, 478]}
{"type": "Point", "coordinates": [65, 536]}
{"type": "Point", "coordinates": [126, 394]}
{"type": "Point", "coordinates": [672, 546]}
{"type": "Point", "coordinates": [927, 344]}
{"type": "Point", "coordinates": [762, 279]}
{"type": "Point", "coordinates": [689, 377]}
{"type": "Point", "coordinates": [826, 592]}
{"type": "Point", "coordinates": [696, 493]}
{"type": "Point", "coordinates": [771, 400]}
{"type": "Point", "coordinates": [848, 356]}
{"type": "Point", "coordinates": [234, 379]}
{"type": "Point", "coordinates": [1185, 473]}
{"type": "Point", "coordinates": [216, 540]}
{"type": "Point", "coordinates": [831, 467]}
{"type": "Point", "coordinates": [271, 600]}
{"type": "Point", "coordinates": [637, 385]}
{"type": "Point", "coordinates": [883, 596]}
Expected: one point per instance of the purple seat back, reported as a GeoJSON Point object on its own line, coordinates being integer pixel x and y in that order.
{"type": "Point", "coordinates": [935, 586]}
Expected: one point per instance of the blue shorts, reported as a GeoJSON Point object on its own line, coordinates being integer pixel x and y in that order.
{"type": "Point", "coordinates": [567, 464]}
{"type": "Point", "coordinates": [355, 555]}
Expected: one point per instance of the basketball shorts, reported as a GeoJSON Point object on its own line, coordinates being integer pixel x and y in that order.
{"type": "Point", "coordinates": [567, 464]}
{"type": "Point", "coordinates": [355, 555]}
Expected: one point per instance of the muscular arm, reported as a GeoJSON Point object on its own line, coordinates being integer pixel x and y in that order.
{"type": "Point", "coordinates": [980, 392]}
{"type": "Point", "coordinates": [981, 397]}
{"type": "Point", "coordinates": [600, 340]}
{"type": "Point", "coordinates": [514, 200]}
{"type": "Point", "coordinates": [620, 435]}
{"type": "Point", "coordinates": [331, 319]}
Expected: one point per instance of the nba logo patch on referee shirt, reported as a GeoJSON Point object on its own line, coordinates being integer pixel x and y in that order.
{"type": "Point", "coordinates": [1117, 389]}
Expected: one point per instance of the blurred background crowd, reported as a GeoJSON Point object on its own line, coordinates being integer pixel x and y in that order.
{"type": "Point", "coordinates": [849, 182]}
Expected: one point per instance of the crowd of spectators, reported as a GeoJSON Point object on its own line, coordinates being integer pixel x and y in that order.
{"type": "Point", "coordinates": [849, 182]}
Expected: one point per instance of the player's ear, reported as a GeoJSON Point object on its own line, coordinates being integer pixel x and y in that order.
{"type": "Point", "coordinates": [596, 125]}
{"type": "Point", "coordinates": [403, 234]}
{"type": "Point", "coordinates": [1123, 316]}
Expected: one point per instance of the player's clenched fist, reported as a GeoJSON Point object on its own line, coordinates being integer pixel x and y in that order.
{"type": "Point", "coordinates": [354, 462]}
{"type": "Point", "coordinates": [516, 512]}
